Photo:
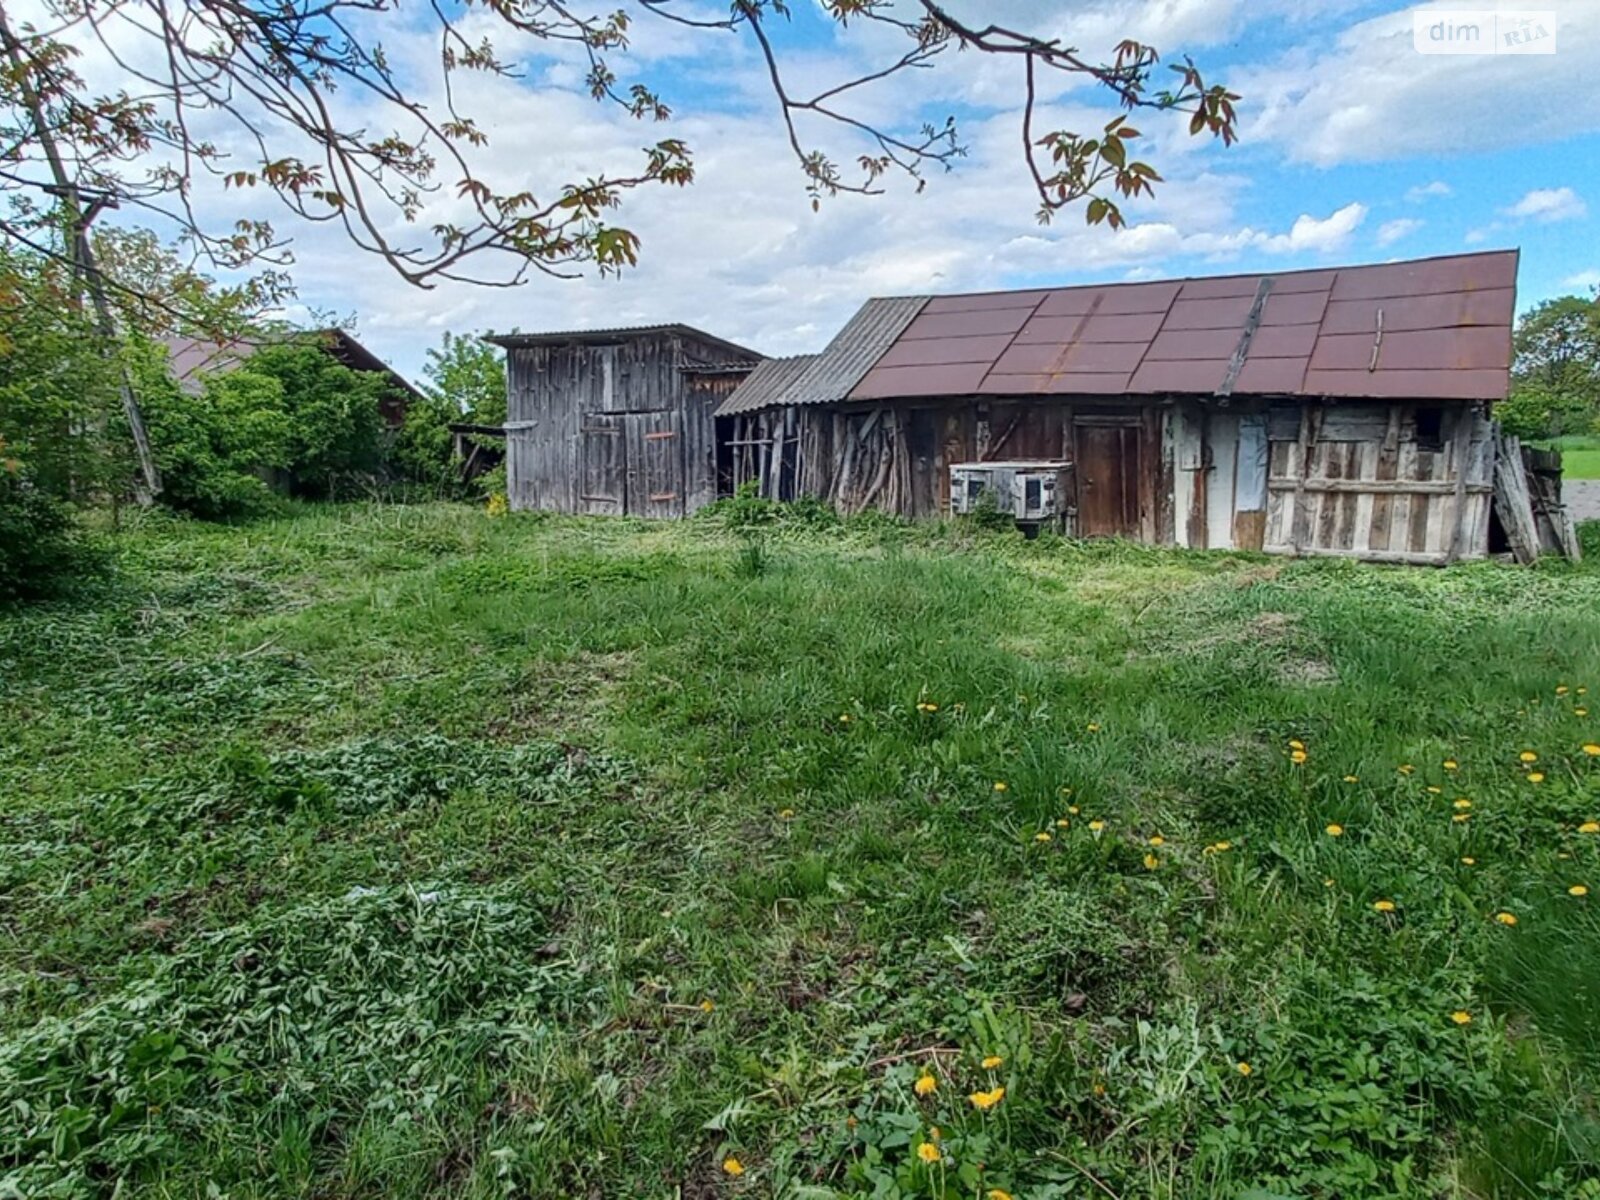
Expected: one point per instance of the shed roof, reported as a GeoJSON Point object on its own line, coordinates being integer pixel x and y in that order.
{"type": "Point", "coordinates": [190, 359]}
{"type": "Point", "coordinates": [766, 385]}
{"type": "Point", "coordinates": [513, 341]}
{"type": "Point", "coordinates": [828, 377]}
{"type": "Point", "coordinates": [1436, 328]}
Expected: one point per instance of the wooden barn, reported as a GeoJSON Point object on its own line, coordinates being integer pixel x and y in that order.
{"type": "Point", "coordinates": [616, 421]}
{"type": "Point", "coordinates": [1343, 411]}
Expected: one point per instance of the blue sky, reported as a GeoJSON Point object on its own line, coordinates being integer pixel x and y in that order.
{"type": "Point", "coordinates": [1355, 148]}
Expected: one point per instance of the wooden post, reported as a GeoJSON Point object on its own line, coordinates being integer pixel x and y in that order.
{"type": "Point", "coordinates": [1460, 447]}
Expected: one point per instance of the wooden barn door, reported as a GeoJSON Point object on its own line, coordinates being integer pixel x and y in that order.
{"type": "Point", "coordinates": [1108, 480]}
{"type": "Point", "coordinates": [601, 473]}
{"type": "Point", "coordinates": [654, 464]}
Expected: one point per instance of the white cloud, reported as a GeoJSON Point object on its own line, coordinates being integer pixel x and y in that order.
{"type": "Point", "coordinates": [1391, 232]}
{"type": "Point", "coordinates": [1549, 204]}
{"type": "Point", "coordinates": [1320, 236]}
{"type": "Point", "coordinates": [1583, 279]}
{"type": "Point", "coordinates": [1416, 195]}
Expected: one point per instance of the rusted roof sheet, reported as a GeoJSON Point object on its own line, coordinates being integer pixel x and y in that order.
{"type": "Point", "coordinates": [829, 376]}
{"type": "Point", "coordinates": [765, 385]}
{"type": "Point", "coordinates": [619, 333]}
{"type": "Point", "coordinates": [1436, 328]}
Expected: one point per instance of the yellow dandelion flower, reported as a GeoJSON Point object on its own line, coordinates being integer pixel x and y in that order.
{"type": "Point", "coordinates": [1327, 883]}
{"type": "Point", "coordinates": [1041, 836]}
{"type": "Point", "coordinates": [928, 1152]}
{"type": "Point", "coordinates": [1461, 818]}
{"type": "Point", "coordinates": [1405, 768]}
{"type": "Point", "coordinates": [1450, 764]}
{"type": "Point", "coordinates": [844, 718]}
{"type": "Point", "coordinates": [1506, 918]}
{"type": "Point", "coordinates": [984, 1101]}
{"type": "Point", "coordinates": [1063, 823]}
{"type": "Point", "coordinates": [1384, 906]}
{"type": "Point", "coordinates": [1334, 830]}
{"type": "Point", "coordinates": [1562, 690]}
{"type": "Point", "coordinates": [1592, 749]}
{"type": "Point", "coordinates": [1461, 1017]}
{"type": "Point", "coordinates": [1158, 840]}
{"type": "Point", "coordinates": [733, 1166]}
{"type": "Point", "coordinates": [1577, 889]}
{"type": "Point", "coordinates": [1589, 827]}
{"type": "Point", "coordinates": [1151, 862]}
{"type": "Point", "coordinates": [1469, 860]}
{"type": "Point", "coordinates": [1093, 727]}
{"type": "Point", "coordinates": [1434, 791]}
{"type": "Point", "coordinates": [1245, 1069]}
{"type": "Point", "coordinates": [1352, 779]}
{"type": "Point", "coordinates": [1580, 712]}
{"type": "Point", "coordinates": [707, 1006]}
{"type": "Point", "coordinates": [1297, 756]}
{"type": "Point", "coordinates": [1001, 785]}
{"type": "Point", "coordinates": [1296, 744]}
{"type": "Point", "coordinates": [1528, 756]}
{"type": "Point", "coordinates": [1066, 791]}
{"type": "Point", "coordinates": [998, 1194]}
{"type": "Point", "coordinates": [1096, 826]}
{"type": "Point", "coordinates": [786, 814]}
{"type": "Point", "coordinates": [926, 1085]}
{"type": "Point", "coordinates": [1073, 809]}
{"type": "Point", "coordinates": [1461, 804]}
{"type": "Point", "coordinates": [1535, 776]}
{"type": "Point", "coordinates": [991, 1062]}
{"type": "Point", "coordinates": [1219, 848]}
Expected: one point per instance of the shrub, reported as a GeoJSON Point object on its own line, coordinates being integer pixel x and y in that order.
{"type": "Point", "coordinates": [41, 548]}
{"type": "Point", "coordinates": [1537, 411]}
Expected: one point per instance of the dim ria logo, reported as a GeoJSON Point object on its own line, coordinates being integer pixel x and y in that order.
{"type": "Point", "coordinates": [1482, 31]}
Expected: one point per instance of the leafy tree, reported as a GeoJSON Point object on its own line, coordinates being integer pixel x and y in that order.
{"type": "Point", "coordinates": [468, 377]}
{"type": "Point", "coordinates": [1556, 370]}
{"type": "Point", "coordinates": [302, 82]}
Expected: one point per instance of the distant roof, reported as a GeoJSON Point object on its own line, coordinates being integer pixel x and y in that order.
{"type": "Point", "coordinates": [1436, 328]}
{"type": "Point", "coordinates": [191, 358]}
{"type": "Point", "coordinates": [828, 377]}
{"type": "Point", "coordinates": [512, 341]}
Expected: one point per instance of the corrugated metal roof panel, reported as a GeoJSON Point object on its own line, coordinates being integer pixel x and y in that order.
{"type": "Point", "coordinates": [1432, 328]}
{"type": "Point", "coordinates": [765, 385]}
{"type": "Point", "coordinates": [512, 341]}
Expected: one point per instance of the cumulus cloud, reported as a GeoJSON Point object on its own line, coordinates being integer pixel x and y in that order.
{"type": "Point", "coordinates": [1549, 204]}
{"type": "Point", "coordinates": [1426, 191]}
{"type": "Point", "coordinates": [1583, 279]}
{"type": "Point", "coordinates": [1391, 232]}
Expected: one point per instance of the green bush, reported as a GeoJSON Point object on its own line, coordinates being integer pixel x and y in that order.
{"type": "Point", "coordinates": [41, 549]}
{"type": "Point", "coordinates": [1536, 411]}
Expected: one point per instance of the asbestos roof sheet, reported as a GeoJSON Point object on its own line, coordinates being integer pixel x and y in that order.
{"type": "Point", "coordinates": [829, 377]}
{"type": "Point", "coordinates": [765, 385]}
{"type": "Point", "coordinates": [1436, 328]}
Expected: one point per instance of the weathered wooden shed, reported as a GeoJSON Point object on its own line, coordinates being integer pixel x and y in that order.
{"type": "Point", "coordinates": [616, 421]}
{"type": "Point", "coordinates": [1342, 411]}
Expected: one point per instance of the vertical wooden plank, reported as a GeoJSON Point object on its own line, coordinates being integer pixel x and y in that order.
{"type": "Point", "coordinates": [1460, 466]}
{"type": "Point", "coordinates": [1222, 439]}
{"type": "Point", "coordinates": [1366, 468]}
{"type": "Point", "coordinates": [1300, 520]}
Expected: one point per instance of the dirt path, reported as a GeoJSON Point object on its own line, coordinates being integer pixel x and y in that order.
{"type": "Point", "coordinates": [1582, 497]}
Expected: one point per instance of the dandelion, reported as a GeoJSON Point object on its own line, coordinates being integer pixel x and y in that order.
{"type": "Point", "coordinates": [1461, 804]}
{"type": "Point", "coordinates": [1218, 848]}
{"type": "Point", "coordinates": [1093, 727]}
{"type": "Point", "coordinates": [998, 1194]}
{"type": "Point", "coordinates": [991, 1062]}
{"type": "Point", "coordinates": [1334, 831]}
{"type": "Point", "coordinates": [707, 1006]}
{"type": "Point", "coordinates": [1580, 712]}
{"type": "Point", "coordinates": [1405, 768]}
{"type": "Point", "coordinates": [1151, 862]}
{"type": "Point", "coordinates": [1297, 756]}
{"type": "Point", "coordinates": [1450, 764]}
{"type": "Point", "coordinates": [1073, 809]}
{"type": "Point", "coordinates": [786, 814]}
{"type": "Point", "coordinates": [1461, 1017]}
{"type": "Point", "coordinates": [1589, 827]}
{"type": "Point", "coordinates": [1327, 883]}
{"type": "Point", "coordinates": [1577, 889]}
{"type": "Point", "coordinates": [733, 1166]}
{"type": "Point", "coordinates": [1063, 823]}
{"type": "Point", "coordinates": [1096, 826]}
{"type": "Point", "coordinates": [1158, 840]}
{"type": "Point", "coordinates": [844, 718]}
{"type": "Point", "coordinates": [1562, 690]}
{"type": "Point", "coordinates": [984, 1101]}
{"type": "Point", "coordinates": [1506, 918]}
{"type": "Point", "coordinates": [928, 1152]}
{"type": "Point", "coordinates": [1469, 860]}
{"type": "Point", "coordinates": [1535, 776]}
{"type": "Point", "coordinates": [1528, 756]}
{"type": "Point", "coordinates": [1592, 749]}
{"type": "Point", "coordinates": [925, 707]}
{"type": "Point", "coordinates": [1352, 779]}
{"type": "Point", "coordinates": [1245, 1069]}
{"type": "Point", "coordinates": [1434, 791]}
{"type": "Point", "coordinates": [1000, 785]}
{"type": "Point", "coordinates": [1041, 836]}
{"type": "Point", "coordinates": [1296, 744]}
{"type": "Point", "coordinates": [1461, 818]}
{"type": "Point", "coordinates": [926, 1085]}
{"type": "Point", "coordinates": [1383, 906]}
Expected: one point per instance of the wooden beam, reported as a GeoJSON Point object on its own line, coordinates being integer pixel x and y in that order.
{"type": "Point", "coordinates": [1461, 446]}
{"type": "Point", "coordinates": [1381, 487]}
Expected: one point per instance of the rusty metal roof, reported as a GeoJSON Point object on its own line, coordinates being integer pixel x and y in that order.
{"type": "Point", "coordinates": [765, 385]}
{"type": "Point", "coordinates": [1436, 328]}
{"type": "Point", "coordinates": [619, 333]}
{"type": "Point", "coordinates": [829, 376]}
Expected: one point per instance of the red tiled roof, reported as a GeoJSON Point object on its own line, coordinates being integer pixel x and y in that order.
{"type": "Point", "coordinates": [1437, 328]}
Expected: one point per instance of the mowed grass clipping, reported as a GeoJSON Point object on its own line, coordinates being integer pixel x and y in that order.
{"type": "Point", "coordinates": [409, 852]}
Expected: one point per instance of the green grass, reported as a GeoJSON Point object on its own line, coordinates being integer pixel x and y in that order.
{"type": "Point", "coordinates": [1580, 456]}
{"type": "Point", "coordinates": [408, 852]}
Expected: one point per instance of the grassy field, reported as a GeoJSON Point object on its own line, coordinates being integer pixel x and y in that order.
{"type": "Point", "coordinates": [1580, 456]}
{"type": "Point", "coordinates": [402, 852]}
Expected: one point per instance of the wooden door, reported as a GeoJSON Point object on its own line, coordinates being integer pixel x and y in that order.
{"type": "Point", "coordinates": [601, 467]}
{"type": "Point", "coordinates": [654, 458]}
{"type": "Point", "coordinates": [1108, 480]}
